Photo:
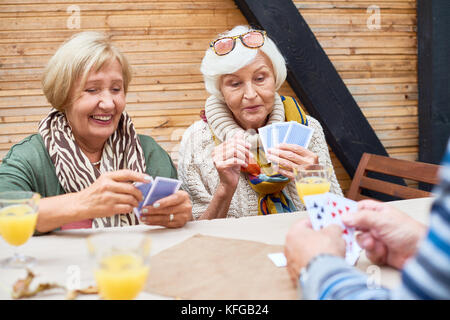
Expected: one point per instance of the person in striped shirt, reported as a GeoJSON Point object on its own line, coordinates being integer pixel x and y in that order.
{"type": "Point", "coordinates": [389, 236]}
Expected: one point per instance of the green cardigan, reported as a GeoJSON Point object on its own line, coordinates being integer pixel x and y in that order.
{"type": "Point", "coordinates": [28, 166]}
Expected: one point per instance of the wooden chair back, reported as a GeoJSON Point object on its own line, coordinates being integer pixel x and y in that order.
{"type": "Point", "coordinates": [413, 170]}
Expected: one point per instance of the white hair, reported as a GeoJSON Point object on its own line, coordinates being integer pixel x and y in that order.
{"type": "Point", "coordinates": [214, 66]}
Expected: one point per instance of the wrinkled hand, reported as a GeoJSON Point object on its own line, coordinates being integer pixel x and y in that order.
{"type": "Point", "coordinates": [388, 235]}
{"type": "Point", "coordinates": [303, 244]}
{"type": "Point", "coordinates": [228, 157]}
{"type": "Point", "coordinates": [178, 204]}
{"type": "Point", "coordinates": [290, 156]}
{"type": "Point", "coordinates": [112, 193]}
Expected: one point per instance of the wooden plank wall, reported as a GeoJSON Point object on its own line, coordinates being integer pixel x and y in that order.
{"type": "Point", "coordinates": [165, 42]}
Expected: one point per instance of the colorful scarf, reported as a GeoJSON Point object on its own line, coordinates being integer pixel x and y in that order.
{"type": "Point", "coordinates": [269, 187]}
{"type": "Point", "coordinates": [75, 172]}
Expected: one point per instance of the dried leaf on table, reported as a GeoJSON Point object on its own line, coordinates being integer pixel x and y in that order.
{"type": "Point", "coordinates": [21, 288]}
{"type": "Point", "coordinates": [72, 294]}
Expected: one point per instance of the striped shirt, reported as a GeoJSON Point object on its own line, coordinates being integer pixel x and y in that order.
{"type": "Point", "coordinates": [425, 276]}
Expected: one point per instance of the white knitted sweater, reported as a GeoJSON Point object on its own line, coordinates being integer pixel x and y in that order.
{"type": "Point", "coordinates": [200, 177]}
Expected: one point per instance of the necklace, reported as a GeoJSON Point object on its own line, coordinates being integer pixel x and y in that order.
{"type": "Point", "coordinates": [96, 163]}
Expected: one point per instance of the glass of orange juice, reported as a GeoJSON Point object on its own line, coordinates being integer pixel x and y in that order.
{"type": "Point", "coordinates": [121, 263]}
{"type": "Point", "coordinates": [18, 216]}
{"type": "Point", "coordinates": [312, 179]}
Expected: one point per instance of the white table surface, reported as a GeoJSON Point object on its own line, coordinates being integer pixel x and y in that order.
{"type": "Point", "coordinates": [62, 255]}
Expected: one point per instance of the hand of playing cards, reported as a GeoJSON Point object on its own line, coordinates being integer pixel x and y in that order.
{"type": "Point", "coordinates": [285, 132]}
{"type": "Point", "coordinates": [327, 208]}
{"type": "Point", "coordinates": [155, 190]}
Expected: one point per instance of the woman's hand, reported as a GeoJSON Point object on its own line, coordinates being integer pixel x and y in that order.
{"type": "Point", "coordinates": [290, 156]}
{"type": "Point", "coordinates": [228, 157]}
{"type": "Point", "coordinates": [172, 211]}
{"type": "Point", "coordinates": [112, 193]}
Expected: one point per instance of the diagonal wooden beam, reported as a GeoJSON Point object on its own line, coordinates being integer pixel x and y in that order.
{"type": "Point", "coordinates": [316, 82]}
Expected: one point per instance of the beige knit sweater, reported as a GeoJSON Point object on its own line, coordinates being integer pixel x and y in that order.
{"type": "Point", "coordinates": [199, 175]}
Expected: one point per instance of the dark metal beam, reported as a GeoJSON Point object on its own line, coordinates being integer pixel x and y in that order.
{"type": "Point", "coordinates": [433, 37]}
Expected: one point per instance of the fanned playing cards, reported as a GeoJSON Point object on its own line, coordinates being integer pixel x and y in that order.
{"type": "Point", "coordinates": [327, 208]}
{"type": "Point", "coordinates": [155, 190]}
{"type": "Point", "coordinates": [290, 132]}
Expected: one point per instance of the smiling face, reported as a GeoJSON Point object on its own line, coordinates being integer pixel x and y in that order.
{"type": "Point", "coordinates": [250, 92]}
{"type": "Point", "coordinates": [96, 107]}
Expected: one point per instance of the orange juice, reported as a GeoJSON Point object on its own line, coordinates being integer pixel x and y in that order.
{"type": "Point", "coordinates": [17, 223]}
{"type": "Point", "coordinates": [121, 276]}
{"type": "Point", "coordinates": [312, 185]}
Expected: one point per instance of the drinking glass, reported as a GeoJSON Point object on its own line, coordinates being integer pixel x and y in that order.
{"type": "Point", "coordinates": [312, 179]}
{"type": "Point", "coordinates": [120, 262]}
{"type": "Point", "coordinates": [18, 216]}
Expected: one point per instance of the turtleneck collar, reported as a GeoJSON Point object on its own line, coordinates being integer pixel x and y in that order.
{"type": "Point", "coordinates": [221, 120]}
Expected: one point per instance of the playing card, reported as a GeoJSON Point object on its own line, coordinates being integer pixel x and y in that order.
{"type": "Point", "coordinates": [279, 131]}
{"type": "Point", "coordinates": [144, 188]}
{"type": "Point", "coordinates": [298, 134]}
{"type": "Point", "coordinates": [265, 134]}
{"type": "Point", "coordinates": [161, 188]}
{"type": "Point", "coordinates": [278, 259]}
{"type": "Point", "coordinates": [333, 207]}
{"type": "Point", "coordinates": [325, 209]}
{"type": "Point", "coordinates": [315, 205]}
{"type": "Point", "coordinates": [337, 206]}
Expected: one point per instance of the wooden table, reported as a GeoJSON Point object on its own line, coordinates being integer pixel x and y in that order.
{"type": "Point", "coordinates": [62, 256]}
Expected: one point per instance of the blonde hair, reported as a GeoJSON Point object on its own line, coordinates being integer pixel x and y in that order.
{"type": "Point", "coordinates": [214, 66]}
{"type": "Point", "coordinates": [73, 61]}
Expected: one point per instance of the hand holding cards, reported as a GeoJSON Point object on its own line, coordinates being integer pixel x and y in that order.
{"type": "Point", "coordinates": [155, 190]}
{"type": "Point", "coordinates": [325, 209]}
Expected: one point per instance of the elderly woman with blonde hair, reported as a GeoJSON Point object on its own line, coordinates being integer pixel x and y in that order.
{"type": "Point", "coordinates": [243, 70]}
{"type": "Point", "coordinates": [87, 154]}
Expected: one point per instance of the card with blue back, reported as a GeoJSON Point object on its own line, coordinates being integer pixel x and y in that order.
{"type": "Point", "coordinates": [145, 189]}
{"type": "Point", "coordinates": [290, 132]}
{"type": "Point", "coordinates": [265, 134]}
{"type": "Point", "coordinates": [298, 134]}
{"type": "Point", "coordinates": [281, 129]}
{"type": "Point", "coordinates": [161, 188]}
{"type": "Point", "coordinates": [155, 190]}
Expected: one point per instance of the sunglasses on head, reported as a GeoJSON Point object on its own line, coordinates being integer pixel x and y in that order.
{"type": "Point", "coordinates": [253, 39]}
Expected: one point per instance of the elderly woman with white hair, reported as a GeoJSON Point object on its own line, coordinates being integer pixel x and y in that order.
{"type": "Point", "coordinates": [87, 153]}
{"type": "Point", "coordinates": [243, 70]}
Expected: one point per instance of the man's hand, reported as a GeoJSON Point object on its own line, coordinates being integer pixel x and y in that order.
{"type": "Point", "coordinates": [303, 244]}
{"type": "Point", "coordinates": [388, 235]}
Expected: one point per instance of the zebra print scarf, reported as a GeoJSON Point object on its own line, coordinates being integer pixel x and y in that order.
{"type": "Point", "coordinates": [75, 172]}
